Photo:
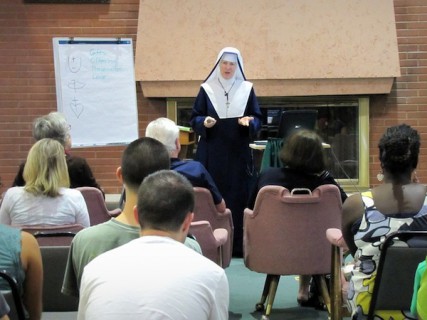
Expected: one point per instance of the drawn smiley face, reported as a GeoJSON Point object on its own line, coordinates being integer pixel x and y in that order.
{"type": "Point", "coordinates": [74, 63]}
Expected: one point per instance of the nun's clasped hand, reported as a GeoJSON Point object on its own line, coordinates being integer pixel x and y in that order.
{"type": "Point", "coordinates": [209, 122]}
{"type": "Point", "coordinates": [245, 121]}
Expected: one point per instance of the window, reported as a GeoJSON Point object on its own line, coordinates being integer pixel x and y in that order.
{"type": "Point", "coordinates": [342, 123]}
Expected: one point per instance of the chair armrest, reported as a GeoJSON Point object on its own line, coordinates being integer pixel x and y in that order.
{"type": "Point", "coordinates": [226, 212]}
{"type": "Point", "coordinates": [248, 212]}
{"type": "Point", "coordinates": [336, 238]}
{"type": "Point", "coordinates": [221, 236]}
{"type": "Point", "coordinates": [115, 212]}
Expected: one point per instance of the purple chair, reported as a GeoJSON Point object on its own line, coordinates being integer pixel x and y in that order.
{"type": "Point", "coordinates": [98, 211]}
{"type": "Point", "coordinates": [205, 210]}
{"type": "Point", "coordinates": [285, 235]}
{"type": "Point", "coordinates": [211, 241]}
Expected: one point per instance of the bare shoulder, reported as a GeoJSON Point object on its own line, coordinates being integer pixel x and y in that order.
{"type": "Point", "coordinates": [30, 251]}
{"type": "Point", "coordinates": [28, 239]}
{"type": "Point", "coordinates": [353, 209]}
{"type": "Point", "coordinates": [406, 198]}
{"type": "Point", "coordinates": [353, 202]}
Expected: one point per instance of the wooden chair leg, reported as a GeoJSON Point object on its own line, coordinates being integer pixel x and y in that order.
{"type": "Point", "coordinates": [271, 294]}
{"type": "Point", "coordinates": [336, 295]}
{"type": "Point", "coordinates": [260, 305]}
{"type": "Point", "coordinates": [325, 293]}
{"type": "Point", "coordinates": [220, 253]}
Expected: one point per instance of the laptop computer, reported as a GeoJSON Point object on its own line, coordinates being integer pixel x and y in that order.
{"type": "Point", "coordinates": [291, 120]}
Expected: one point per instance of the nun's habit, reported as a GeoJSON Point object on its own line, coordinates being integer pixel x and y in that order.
{"type": "Point", "coordinates": [224, 148]}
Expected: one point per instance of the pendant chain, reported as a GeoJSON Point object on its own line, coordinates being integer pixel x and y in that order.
{"type": "Point", "coordinates": [225, 92]}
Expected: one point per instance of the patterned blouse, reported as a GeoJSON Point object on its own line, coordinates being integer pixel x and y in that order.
{"type": "Point", "coordinates": [370, 234]}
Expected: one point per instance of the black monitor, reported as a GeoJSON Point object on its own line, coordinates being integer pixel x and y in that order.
{"type": "Point", "coordinates": [292, 120]}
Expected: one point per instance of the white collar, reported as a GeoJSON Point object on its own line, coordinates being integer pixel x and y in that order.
{"type": "Point", "coordinates": [228, 96]}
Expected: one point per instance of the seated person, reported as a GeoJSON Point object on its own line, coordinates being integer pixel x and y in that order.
{"type": "Point", "coordinates": [156, 276]}
{"type": "Point", "coordinates": [55, 126]}
{"type": "Point", "coordinates": [141, 157]}
{"type": "Point", "coordinates": [422, 298]}
{"type": "Point", "coordinates": [46, 198]}
{"type": "Point", "coordinates": [167, 132]}
{"type": "Point", "coordinates": [304, 163]}
{"type": "Point", "coordinates": [396, 204]}
{"type": "Point", "coordinates": [420, 279]}
{"type": "Point", "coordinates": [21, 259]}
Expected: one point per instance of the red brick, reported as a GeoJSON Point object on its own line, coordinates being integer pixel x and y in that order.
{"type": "Point", "coordinates": [27, 78]}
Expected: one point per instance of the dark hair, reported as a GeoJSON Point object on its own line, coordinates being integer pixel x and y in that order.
{"type": "Point", "coordinates": [303, 151]}
{"type": "Point", "coordinates": [399, 148]}
{"type": "Point", "coordinates": [164, 200]}
{"type": "Point", "coordinates": [142, 157]}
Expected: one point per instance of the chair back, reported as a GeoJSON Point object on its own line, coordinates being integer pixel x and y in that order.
{"type": "Point", "coordinates": [205, 210]}
{"type": "Point", "coordinates": [54, 262]}
{"type": "Point", "coordinates": [401, 253]}
{"type": "Point", "coordinates": [54, 235]}
{"type": "Point", "coordinates": [98, 211]}
{"type": "Point", "coordinates": [13, 297]}
{"type": "Point", "coordinates": [285, 233]}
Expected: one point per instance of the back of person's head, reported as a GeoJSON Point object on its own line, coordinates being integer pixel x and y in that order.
{"type": "Point", "coordinates": [164, 130]}
{"type": "Point", "coordinates": [142, 157]}
{"type": "Point", "coordinates": [53, 126]}
{"type": "Point", "coordinates": [399, 148]}
{"type": "Point", "coordinates": [165, 198]}
{"type": "Point", "coordinates": [46, 168]}
{"type": "Point", "coordinates": [303, 151]}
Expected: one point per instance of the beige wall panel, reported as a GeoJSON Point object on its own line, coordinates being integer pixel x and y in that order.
{"type": "Point", "coordinates": [279, 40]}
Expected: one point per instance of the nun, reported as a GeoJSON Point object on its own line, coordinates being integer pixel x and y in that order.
{"type": "Point", "coordinates": [226, 117]}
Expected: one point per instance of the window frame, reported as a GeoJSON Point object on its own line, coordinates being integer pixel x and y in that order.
{"type": "Point", "coordinates": [361, 183]}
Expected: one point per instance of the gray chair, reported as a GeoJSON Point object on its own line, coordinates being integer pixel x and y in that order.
{"type": "Point", "coordinates": [60, 235]}
{"type": "Point", "coordinates": [54, 263]}
{"type": "Point", "coordinates": [402, 252]}
{"type": "Point", "coordinates": [13, 298]}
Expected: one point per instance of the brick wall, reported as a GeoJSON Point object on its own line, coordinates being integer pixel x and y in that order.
{"type": "Point", "coordinates": [27, 84]}
{"type": "Point", "coordinates": [27, 79]}
{"type": "Point", "coordinates": [407, 103]}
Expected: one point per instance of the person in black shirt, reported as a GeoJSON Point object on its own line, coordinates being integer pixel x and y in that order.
{"type": "Point", "coordinates": [55, 126]}
{"type": "Point", "coordinates": [304, 166]}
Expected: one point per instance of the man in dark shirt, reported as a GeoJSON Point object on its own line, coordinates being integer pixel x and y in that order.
{"type": "Point", "coordinates": [167, 132]}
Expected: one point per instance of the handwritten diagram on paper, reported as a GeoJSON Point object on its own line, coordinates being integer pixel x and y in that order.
{"type": "Point", "coordinates": [75, 65]}
{"type": "Point", "coordinates": [96, 90]}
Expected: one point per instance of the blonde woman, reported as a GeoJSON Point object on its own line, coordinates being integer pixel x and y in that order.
{"type": "Point", "coordinates": [46, 199]}
{"type": "Point", "coordinates": [55, 126]}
